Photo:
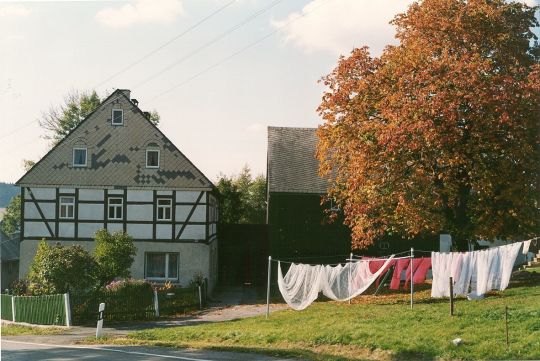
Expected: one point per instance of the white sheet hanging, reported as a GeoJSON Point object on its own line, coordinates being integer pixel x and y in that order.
{"type": "Point", "coordinates": [302, 283]}
{"type": "Point", "coordinates": [482, 271]}
{"type": "Point", "coordinates": [526, 246]}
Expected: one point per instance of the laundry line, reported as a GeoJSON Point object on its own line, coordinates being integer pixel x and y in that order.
{"type": "Point", "coordinates": [347, 260]}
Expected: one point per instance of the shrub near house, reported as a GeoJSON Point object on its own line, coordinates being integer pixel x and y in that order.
{"type": "Point", "coordinates": [60, 269]}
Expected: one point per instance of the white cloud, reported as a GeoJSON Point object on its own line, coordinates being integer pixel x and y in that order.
{"type": "Point", "coordinates": [141, 12]}
{"type": "Point", "coordinates": [340, 25]}
{"type": "Point", "coordinates": [14, 11]}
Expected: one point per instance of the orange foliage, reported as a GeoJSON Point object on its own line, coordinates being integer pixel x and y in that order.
{"type": "Point", "coordinates": [441, 132]}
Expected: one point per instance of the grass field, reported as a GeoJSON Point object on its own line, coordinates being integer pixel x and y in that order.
{"type": "Point", "coordinates": [533, 269]}
{"type": "Point", "coordinates": [377, 327]}
{"type": "Point", "coordinates": [19, 330]}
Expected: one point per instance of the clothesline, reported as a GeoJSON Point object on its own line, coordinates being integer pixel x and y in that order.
{"type": "Point", "coordinates": [369, 259]}
{"type": "Point", "coordinates": [340, 263]}
{"type": "Point", "coordinates": [297, 259]}
{"type": "Point", "coordinates": [308, 264]}
{"type": "Point", "coordinates": [383, 257]}
{"type": "Point", "coordinates": [313, 257]}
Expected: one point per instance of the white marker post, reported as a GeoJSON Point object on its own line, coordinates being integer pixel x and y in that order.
{"type": "Point", "coordinates": [68, 309]}
{"type": "Point", "coordinates": [13, 307]}
{"type": "Point", "coordinates": [99, 329]}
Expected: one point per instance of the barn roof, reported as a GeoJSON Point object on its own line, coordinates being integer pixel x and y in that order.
{"type": "Point", "coordinates": [291, 164]}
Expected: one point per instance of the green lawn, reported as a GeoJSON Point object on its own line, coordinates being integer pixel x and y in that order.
{"type": "Point", "coordinates": [382, 328]}
{"type": "Point", "coordinates": [19, 330]}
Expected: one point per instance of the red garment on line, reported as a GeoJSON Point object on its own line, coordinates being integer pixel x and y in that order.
{"type": "Point", "coordinates": [416, 263]}
{"type": "Point", "coordinates": [401, 264]}
{"type": "Point", "coordinates": [419, 276]}
{"type": "Point", "coordinates": [421, 267]}
{"type": "Point", "coordinates": [376, 264]}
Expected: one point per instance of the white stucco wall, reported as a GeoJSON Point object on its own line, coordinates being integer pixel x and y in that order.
{"type": "Point", "coordinates": [194, 257]}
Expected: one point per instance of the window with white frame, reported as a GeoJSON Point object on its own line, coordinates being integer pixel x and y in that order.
{"type": "Point", "coordinates": [161, 266]}
{"type": "Point", "coordinates": [164, 209]}
{"type": "Point", "coordinates": [79, 157]}
{"type": "Point", "coordinates": [116, 207]}
{"type": "Point", "coordinates": [117, 117]}
{"type": "Point", "coordinates": [152, 158]}
{"type": "Point", "coordinates": [67, 207]}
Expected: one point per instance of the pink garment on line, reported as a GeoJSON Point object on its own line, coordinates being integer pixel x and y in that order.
{"type": "Point", "coordinates": [419, 276]}
{"type": "Point", "coordinates": [416, 263]}
{"type": "Point", "coordinates": [401, 264]}
{"type": "Point", "coordinates": [376, 264]}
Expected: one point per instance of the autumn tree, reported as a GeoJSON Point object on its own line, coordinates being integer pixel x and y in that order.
{"type": "Point", "coordinates": [441, 132]}
{"type": "Point", "coordinates": [59, 120]}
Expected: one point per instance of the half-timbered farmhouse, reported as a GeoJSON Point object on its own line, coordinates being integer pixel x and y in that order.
{"type": "Point", "coordinates": [117, 170]}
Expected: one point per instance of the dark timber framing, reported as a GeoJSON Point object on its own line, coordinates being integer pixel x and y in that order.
{"type": "Point", "coordinates": [173, 215]}
{"type": "Point", "coordinates": [203, 198]}
{"type": "Point", "coordinates": [89, 239]}
{"type": "Point", "coordinates": [154, 214]}
{"type": "Point", "coordinates": [57, 212]}
{"type": "Point", "coordinates": [76, 213]}
{"type": "Point", "coordinates": [43, 219]}
{"type": "Point", "coordinates": [189, 215]}
{"type": "Point", "coordinates": [207, 228]}
{"type": "Point", "coordinates": [105, 208]}
{"type": "Point", "coordinates": [124, 211]}
{"type": "Point", "coordinates": [21, 237]}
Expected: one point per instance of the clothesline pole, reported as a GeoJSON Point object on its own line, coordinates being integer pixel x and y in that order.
{"type": "Point", "coordinates": [268, 287]}
{"type": "Point", "coordinates": [412, 281]}
{"type": "Point", "coordinates": [350, 261]}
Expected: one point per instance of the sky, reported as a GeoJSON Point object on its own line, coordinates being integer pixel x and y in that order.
{"type": "Point", "coordinates": [219, 72]}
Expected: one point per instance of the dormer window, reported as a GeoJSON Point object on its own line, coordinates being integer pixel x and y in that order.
{"type": "Point", "coordinates": [152, 158]}
{"type": "Point", "coordinates": [79, 157]}
{"type": "Point", "coordinates": [117, 117]}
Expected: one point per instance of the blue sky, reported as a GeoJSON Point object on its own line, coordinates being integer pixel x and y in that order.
{"type": "Point", "coordinates": [218, 118]}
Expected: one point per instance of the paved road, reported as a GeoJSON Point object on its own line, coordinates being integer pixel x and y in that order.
{"type": "Point", "coordinates": [13, 350]}
{"type": "Point", "coordinates": [229, 304]}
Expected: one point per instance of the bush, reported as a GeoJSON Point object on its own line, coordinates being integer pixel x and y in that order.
{"type": "Point", "coordinates": [20, 287]}
{"type": "Point", "coordinates": [114, 254]}
{"type": "Point", "coordinates": [60, 269]}
{"type": "Point", "coordinates": [197, 280]}
{"type": "Point", "coordinates": [130, 286]}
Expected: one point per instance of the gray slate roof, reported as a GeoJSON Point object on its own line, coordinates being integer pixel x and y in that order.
{"type": "Point", "coordinates": [291, 165]}
{"type": "Point", "coordinates": [116, 154]}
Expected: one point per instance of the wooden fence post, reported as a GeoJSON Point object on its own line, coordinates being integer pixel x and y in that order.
{"type": "Point", "coordinates": [451, 297]}
{"type": "Point", "coordinates": [506, 325]}
{"type": "Point", "coordinates": [200, 298]}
